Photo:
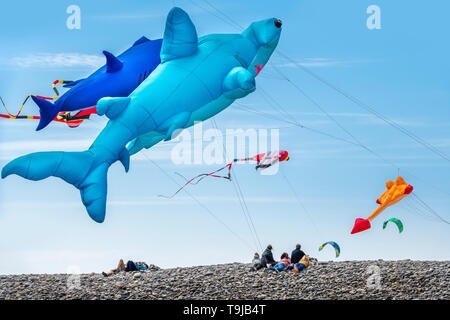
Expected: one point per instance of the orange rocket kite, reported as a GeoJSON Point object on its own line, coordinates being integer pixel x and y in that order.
{"type": "Point", "coordinates": [395, 192]}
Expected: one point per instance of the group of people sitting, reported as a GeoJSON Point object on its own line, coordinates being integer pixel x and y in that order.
{"type": "Point", "coordinates": [130, 266]}
{"type": "Point", "coordinates": [297, 262]}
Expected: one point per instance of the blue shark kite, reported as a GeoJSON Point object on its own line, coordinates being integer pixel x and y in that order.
{"type": "Point", "coordinates": [117, 78]}
{"type": "Point", "coordinates": [197, 78]}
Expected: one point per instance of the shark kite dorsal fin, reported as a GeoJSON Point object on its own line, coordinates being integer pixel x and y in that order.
{"type": "Point", "coordinates": [112, 63]}
{"type": "Point", "coordinates": [142, 39]}
{"type": "Point", "coordinates": [180, 36]}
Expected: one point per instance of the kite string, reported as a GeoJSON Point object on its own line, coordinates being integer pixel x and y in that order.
{"type": "Point", "coordinates": [315, 103]}
{"type": "Point", "coordinates": [197, 201]}
{"type": "Point", "coordinates": [350, 97]}
{"type": "Point", "coordinates": [366, 107]}
{"type": "Point", "coordinates": [428, 208]}
{"type": "Point", "coordinates": [297, 197]}
{"type": "Point", "coordinates": [240, 195]}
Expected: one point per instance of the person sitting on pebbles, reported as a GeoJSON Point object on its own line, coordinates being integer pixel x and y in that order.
{"type": "Point", "coordinates": [129, 267]}
{"type": "Point", "coordinates": [266, 259]}
{"type": "Point", "coordinates": [297, 254]}
{"type": "Point", "coordinates": [302, 264]}
{"type": "Point", "coordinates": [256, 259]}
{"type": "Point", "coordinates": [283, 263]}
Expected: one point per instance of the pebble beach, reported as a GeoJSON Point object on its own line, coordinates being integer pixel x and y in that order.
{"type": "Point", "coordinates": [347, 280]}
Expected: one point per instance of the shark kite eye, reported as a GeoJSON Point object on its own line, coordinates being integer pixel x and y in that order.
{"type": "Point", "coordinates": [278, 23]}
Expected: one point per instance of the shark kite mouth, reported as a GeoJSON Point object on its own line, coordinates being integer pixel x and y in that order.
{"type": "Point", "coordinates": [258, 68]}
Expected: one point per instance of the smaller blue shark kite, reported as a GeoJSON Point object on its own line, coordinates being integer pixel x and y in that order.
{"type": "Point", "coordinates": [117, 78]}
{"type": "Point", "coordinates": [197, 78]}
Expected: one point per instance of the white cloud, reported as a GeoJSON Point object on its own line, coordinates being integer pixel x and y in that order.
{"type": "Point", "coordinates": [56, 60]}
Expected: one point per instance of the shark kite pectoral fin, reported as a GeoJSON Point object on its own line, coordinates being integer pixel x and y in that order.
{"type": "Point", "coordinates": [238, 83]}
{"type": "Point", "coordinates": [180, 36]}
{"type": "Point", "coordinates": [179, 121]}
{"type": "Point", "coordinates": [112, 107]}
{"type": "Point", "coordinates": [146, 140]}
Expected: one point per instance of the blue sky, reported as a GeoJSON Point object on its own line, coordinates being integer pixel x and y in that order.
{"type": "Point", "coordinates": [401, 70]}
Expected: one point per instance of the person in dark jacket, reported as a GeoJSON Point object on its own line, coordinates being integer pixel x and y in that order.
{"type": "Point", "coordinates": [297, 254]}
{"type": "Point", "coordinates": [266, 259]}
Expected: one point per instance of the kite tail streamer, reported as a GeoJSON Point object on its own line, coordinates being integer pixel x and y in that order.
{"type": "Point", "coordinates": [9, 115]}
{"type": "Point", "coordinates": [55, 89]}
{"type": "Point", "coordinates": [200, 177]}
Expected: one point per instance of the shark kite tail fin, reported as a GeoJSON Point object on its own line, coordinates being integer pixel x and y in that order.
{"type": "Point", "coordinates": [77, 168]}
{"type": "Point", "coordinates": [48, 111]}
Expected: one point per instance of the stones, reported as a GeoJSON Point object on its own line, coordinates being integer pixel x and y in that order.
{"type": "Point", "coordinates": [346, 280]}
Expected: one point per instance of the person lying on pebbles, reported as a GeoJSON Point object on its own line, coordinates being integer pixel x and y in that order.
{"type": "Point", "coordinates": [302, 264]}
{"type": "Point", "coordinates": [129, 267]}
{"type": "Point", "coordinates": [284, 262]}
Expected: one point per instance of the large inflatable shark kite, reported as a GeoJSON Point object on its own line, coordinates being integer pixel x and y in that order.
{"type": "Point", "coordinates": [117, 78]}
{"type": "Point", "coordinates": [197, 78]}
